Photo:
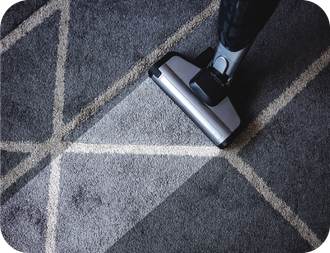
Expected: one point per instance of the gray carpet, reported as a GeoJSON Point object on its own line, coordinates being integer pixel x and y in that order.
{"type": "Point", "coordinates": [96, 158]}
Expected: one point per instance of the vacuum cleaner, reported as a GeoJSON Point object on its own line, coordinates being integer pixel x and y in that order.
{"type": "Point", "coordinates": [200, 86]}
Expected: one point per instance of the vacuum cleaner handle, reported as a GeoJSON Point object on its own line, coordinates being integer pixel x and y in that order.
{"type": "Point", "coordinates": [240, 21]}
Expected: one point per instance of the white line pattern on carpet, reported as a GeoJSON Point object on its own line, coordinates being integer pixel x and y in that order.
{"type": "Point", "coordinates": [146, 150]}
{"type": "Point", "coordinates": [56, 140]}
{"type": "Point", "coordinates": [24, 147]}
{"type": "Point", "coordinates": [279, 103]}
{"type": "Point", "coordinates": [35, 19]}
{"type": "Point", "coordinates": [60, 69]}
{"type": "Point", "coordinates": [54, 181]}
{"type": "Point", "coordinates": [56, 146]}
{"type": "Point", "coordinates": [53, 191]}
{"type": "Point", "coordinates": [142, 66]}
{"type": "Point", "coordinates": [278, 204]}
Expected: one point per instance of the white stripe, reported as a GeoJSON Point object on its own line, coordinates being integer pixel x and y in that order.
{"type": "Point", "coordinates": [142, 66]}
{"type": "Point", "coordinates": [145, 150]}
{"type": "Point", "coordinates": [54, 181]}
{"type": "Point", "coordinates": [60, 70]}
{"type": "Point", "coordinates": [34, 20]}
{"type": "Point", "coordinates": [268, 113]}
{"type": "Point", "coordinates": [271, 197]}
{"type": "Point", "coordinates": [53, 192]}
{"type": "Point", "coordinates": [24, 147]}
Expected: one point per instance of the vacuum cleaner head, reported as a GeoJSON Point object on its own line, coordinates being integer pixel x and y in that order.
{"type": "Point", "coordinates": [177, 77]}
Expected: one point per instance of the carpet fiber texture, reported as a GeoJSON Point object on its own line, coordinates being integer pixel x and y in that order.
{"type": "Point", "coordinates": [95, 157]}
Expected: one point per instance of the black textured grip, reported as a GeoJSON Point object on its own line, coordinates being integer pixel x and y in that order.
{"type": "Point", "coordinates": [240, 21]}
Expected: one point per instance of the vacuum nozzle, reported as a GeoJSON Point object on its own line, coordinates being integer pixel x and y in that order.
{"type": "Point", "coordinates": [174, 74]}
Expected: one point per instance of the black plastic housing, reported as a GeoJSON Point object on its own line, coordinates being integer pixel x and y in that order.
{"type": "Point", "coordinates": [206, 86]}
